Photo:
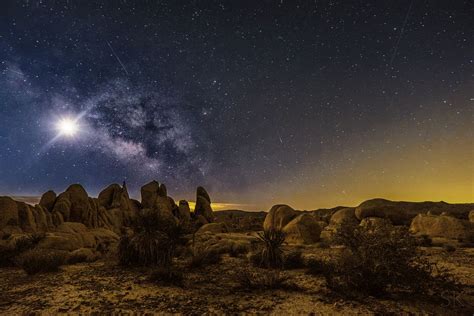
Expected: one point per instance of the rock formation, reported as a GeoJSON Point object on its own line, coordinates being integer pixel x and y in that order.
{"type": "Point", "coordinates": [345, 215]}
{"type": "Point", "coordinates": [203, 205]}
{"type": "Point", "coordinates": [443, 226]}
{"type": "Point", "coordinates": [278, 216]}
{"type": "Point", "coordinates": [303, 229]}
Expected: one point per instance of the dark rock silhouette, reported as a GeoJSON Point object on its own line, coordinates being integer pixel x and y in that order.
{"type": "Point", "coordinates": [203, 205]}
{"type": "Point", "coordinates": [48, 199]}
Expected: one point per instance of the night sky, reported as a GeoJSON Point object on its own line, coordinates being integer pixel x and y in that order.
{"type": "Point", "coordinates": [309, 103]}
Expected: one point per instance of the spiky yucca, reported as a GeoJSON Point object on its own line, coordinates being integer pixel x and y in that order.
{"type": "Point", "coordinates": [152, 242]}
{"type": "Point", "coordinates": [272, 250]}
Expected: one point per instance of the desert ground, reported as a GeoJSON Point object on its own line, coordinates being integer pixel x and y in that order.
{"type": "Point", "coordinates": [75, 254]}
{"type": "Point", "coordinates": [104, 287]}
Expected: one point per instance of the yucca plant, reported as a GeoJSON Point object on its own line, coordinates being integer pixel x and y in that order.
{"type": "Point", "coordinates": [153, 240]}
{"type": "Point", "coordinates": [271, 255]}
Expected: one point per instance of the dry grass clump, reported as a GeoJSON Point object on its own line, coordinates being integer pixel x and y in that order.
{"type": "Point", "coordinates": [263, 280]}
{"type": "Point", "coordinates": [167, 276]}
{"type": "Point", "coordinates": [316, 267]}
{"type": "Point", "coordinates": [201, 257]}
{"type": "Point", "coordinates": [41, 260]}
{"type": "Point", "coordinates": [381, 258]}
{"type": "Point", "coordinates": [293, 260]}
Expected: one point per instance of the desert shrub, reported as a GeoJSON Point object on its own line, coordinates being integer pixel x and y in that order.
{"type": "Point", "coordinates": [425, 241]}
{"type": "Point", "coordinates": [270, 253]}
{"type": "Point", "coordinates": [238, 249]}
{"type": "Point", "coordinates": [41, 260]}
{"type": "Point", "coordinates": [167, 276]}
{"type": "Point", "coordinates": [293, 260]}
{"type": "Point", "coordinates": [449, 248]}
{"type": "Point", "coordinates": [9, 252]}
{"type": "Point", "coordinates": [201, 257]}
{"type": "Point", "coordinates": [382, 258]}
{"type": "Point", "coordinates": [315, 266]}
{"type": "Point", "coordinates": [263, 280]}
{"type": "Point", "coordinates": [153, 240]}
{"type": "Point", "coordinates": [7, 255]}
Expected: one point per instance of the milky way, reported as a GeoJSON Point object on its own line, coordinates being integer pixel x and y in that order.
{"type": "Point", "coordinates": [315, 103]}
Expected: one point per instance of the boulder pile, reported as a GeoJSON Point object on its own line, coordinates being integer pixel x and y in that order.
{"type": "Point", "coordinates": [72, 220]}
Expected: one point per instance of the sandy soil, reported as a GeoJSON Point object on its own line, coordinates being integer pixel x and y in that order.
{"type": "Point", "coordinates": [103, 287]}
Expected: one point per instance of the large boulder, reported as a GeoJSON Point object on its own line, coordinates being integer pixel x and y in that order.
{"type": "Point", "coordinates": [278, 216]}
{"type": "Point", "coordinates": [443, 226]}
{"type": "Point", "coordinates": [184, 212]}
{"type": "Point", "coordinates": [47, 200]}
{"type": "Point", "coordinates": [150, 192]}
{"type": "Point", "coordinates": [203, 205]}
{"type": "Point", "coordinates": [303, 229]}
{"type": "Point", "coordinates": [382, 209]}
{"type": "Point", "coordinates": [8, 212]}
{"type": "Point", "coordinates": [116, 200]}
{"type": "Point", "coordinates": [345, 215]}
{"type": "Point", "coordinates": [213, 228]}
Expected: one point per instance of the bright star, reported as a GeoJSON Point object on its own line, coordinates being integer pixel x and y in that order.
{"type": "Point", "coordinates": [67, 127]}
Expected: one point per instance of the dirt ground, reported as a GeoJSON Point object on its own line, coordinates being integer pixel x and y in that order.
{"type": "Point", "coordinates": [103, 287]}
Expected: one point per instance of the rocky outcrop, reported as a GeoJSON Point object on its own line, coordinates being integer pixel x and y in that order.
{"type": "Point", "coordinates": [213, 228]}
{"type": "Point", "coordinates": [8, 212]}
{"type": "Point", "coordinates": [116, 201]}
{"type": "Point", "coordinates": [278, 216]}
{"type": "Point", "coordinates": [150, 192]}
{"type": "Point", "coordinates": [402, 213]}
{"type": "Point", "coordinates": [443, 226]}
{"type": "Point", "coordinates": [345, 215]}
{"type": "Point", "coordinates": [203, 205]}
{"type": "Point", "coordinates": [47, 200]}
{"type": "Point", "coordinates": [303, 229]}
{"type": "Point", "coordinates": [382, 209]}
{"type": "Point", "coordinates": [183, 212]}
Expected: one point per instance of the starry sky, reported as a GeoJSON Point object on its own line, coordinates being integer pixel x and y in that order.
{"type": "Point", "coordinates": [309, 103]}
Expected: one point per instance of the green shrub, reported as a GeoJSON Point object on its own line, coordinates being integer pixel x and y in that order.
{"type": "Point", "coordinates": [41, 260]}
{"type": "Point", "coordinates": [382, 258]}
{"type": "Point", "coordinates": [263, 280]}
{"type": "Point", "coordinates": [293, 260]}
{"type": "Point", "coordinates": [167, 276]}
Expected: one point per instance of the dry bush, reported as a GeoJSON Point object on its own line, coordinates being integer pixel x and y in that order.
{"type": "Point", "coordinates": [382, 258]}
{"type": "Point", "coordinates": [449, 248]}
{"type": "Point", "coordinates": [315, 266]}
{"type": "Point", "coordinates": [167, 276]}
{"type": "Point", "coordinates": [263, 280]}
{"type": "Point", "coordinates": [238, 249]}
{"type": "Point", "coordinates": [293, 260]}
{"type": "Point", "coordinates": [153, 241]}
{"type": "Point", "coordinates": [201, 257]}
{"type": "Point", "coordinates": [9, 252]}
{"type": "Point", "coordinates": [41, 260]}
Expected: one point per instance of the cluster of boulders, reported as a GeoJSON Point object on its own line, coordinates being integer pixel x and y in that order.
{"type": "Point", "coordinates": [445, 221]}
{"type": "Point", "coordinates": [72, 220]}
